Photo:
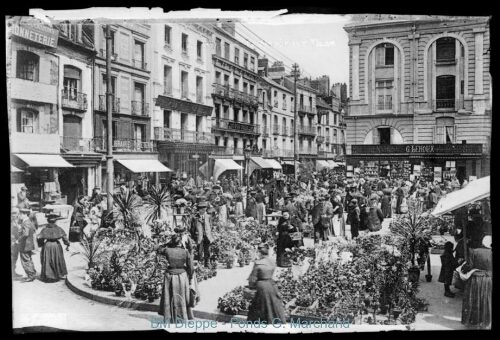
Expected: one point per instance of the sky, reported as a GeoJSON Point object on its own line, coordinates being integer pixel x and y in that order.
{"type": "Point", "coordinates": [318, 43]}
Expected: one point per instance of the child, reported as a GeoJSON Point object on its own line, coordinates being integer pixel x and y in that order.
{"type": "Point", "coordinates": [309, 227]}
{"type": "Point", "coordinates": [448, 265]}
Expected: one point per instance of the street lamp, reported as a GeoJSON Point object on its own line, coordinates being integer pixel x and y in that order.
{"type": "Point", "coordinates": [248, 152]}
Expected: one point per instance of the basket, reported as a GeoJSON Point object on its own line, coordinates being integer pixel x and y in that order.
{"type": "Point", "coordinates": [297, 236]}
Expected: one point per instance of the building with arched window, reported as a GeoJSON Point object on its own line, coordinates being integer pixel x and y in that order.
{"type": "Point", "coordinates": [420, 99]}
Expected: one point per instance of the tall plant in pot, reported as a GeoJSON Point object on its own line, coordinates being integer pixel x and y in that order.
{"type": "Point", "coordinates": [414, 231]}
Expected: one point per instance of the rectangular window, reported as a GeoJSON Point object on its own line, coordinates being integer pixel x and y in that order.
{"type": "Point", "coordinates": [384, 55]}
{"type": "Point", "coordinates": [236, 55]}
{"type": "Point", "coordinates": [167, 79]}
{"type": "Point", "coordinates": [199, 46]}
{"type": "Point", "coordinates": [104, 44]}
{"type": "Point", "coordinates": [218, 44]}
{"type": "Point", "coordinates": [114, 131]}
{"type": "Point", "coordinates": [252, 63]}
{"type": "Point", "coordinates": [167, 119]}
{"type": "Point", "coordinates": [184, 85]}
{"type": "Point", "coordinates": [252, 91]}
{"type": "Point", "coordinates": [105, 84]}
{"type": "Point", "coordinates": [226, 51]}
{"type": "Point", "coordinates": [168, 35]}
{"type": "Point", "coordinates": [184, 43]}
{"type": "Point", "coordinates": [245, 60]}
{"type": "Point", "coordinates": [27, 121]}
{"type": "Point", "coordinates": [236, 84]}
{"type": "Point", "coordinates": [27, 65]}
{"type": "Point", "coordinates": [71, 87]}
{"type": "Point", "coordinates": [139, 55]}
{"type": "Point", "coordinates": [445, 49]}
{"type": "Point", "coordinates": [199, 90]}
{"type": "Point", "coordinates": [217, 77]}
{"type": "Point", "coordinates": [245, 87]}
{"type": "Point", "coordinates": [445, 92]}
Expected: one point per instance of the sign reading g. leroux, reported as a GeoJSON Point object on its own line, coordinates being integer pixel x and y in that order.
{"type": "Point", "coordinates": [37, 32]}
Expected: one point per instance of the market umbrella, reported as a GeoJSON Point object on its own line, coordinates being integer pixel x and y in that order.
{"type": "Point", "coordinates": [474, 191]}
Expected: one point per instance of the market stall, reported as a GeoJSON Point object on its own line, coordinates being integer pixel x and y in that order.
{"type": "Point", "coordinates": [222, 165]}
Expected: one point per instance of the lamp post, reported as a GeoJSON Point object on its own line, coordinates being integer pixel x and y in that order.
{"type": "Point", "coordinates": [248, 153]}
{"type": "Point", "coordinates": [195, 157]}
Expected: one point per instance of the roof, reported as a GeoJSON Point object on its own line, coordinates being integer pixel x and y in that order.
{"type": "Point", "coordinates": [321, 103]}
{"type": "Point", "coordinates": [275, 84]}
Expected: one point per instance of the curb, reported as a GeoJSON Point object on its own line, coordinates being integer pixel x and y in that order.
{"type": "Point", "coordinates": [139, 305]}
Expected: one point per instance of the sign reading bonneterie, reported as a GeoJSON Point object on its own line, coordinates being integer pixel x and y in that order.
{"type": "Point", "coordinates": [418, 149]}
{"type": "Point", "coordinates": [37, 32]}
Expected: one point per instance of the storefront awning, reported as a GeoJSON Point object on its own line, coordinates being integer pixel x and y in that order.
{"type": "Point", "coordinates": [333, 164]}
{"type": "Point", "coordinates": [14, 169]}
{"type": "Point", "coordinates": [143, 165]}
{"type": "Point", "coordinates": [44, 161]}
{"type": "Point", "coordinates": [275, 164]}
{"type": "Point", "coordinates": [261, 162]}
{"type": "Point", "coordinates": [222, 165]}
{"type": "Point", "coordinates": [322, 164]}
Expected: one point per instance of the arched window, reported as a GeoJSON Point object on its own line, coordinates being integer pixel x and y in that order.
{"type": "Point", "coordinates": [27, 121]}
{"type": "Point", "coordinates": [27, 65]}
{"type": "Point", "coordinates": [384, 135]}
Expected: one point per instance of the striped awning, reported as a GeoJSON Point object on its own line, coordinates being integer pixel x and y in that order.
{"type": "Point", "coordinates": [143, 165]}
{"type": "Point", "coordinates": [44, 161]}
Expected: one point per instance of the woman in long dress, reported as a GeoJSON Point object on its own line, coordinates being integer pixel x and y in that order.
{"type": "Point", "coordinates": [51, 256]}
{"type": "Point", "coordinates": [477, 303]}
{"type": "Point", "coordinates": [386, 204]}
{"type": "Point", "coordinates": [238, 198]}
{"type": "Point", "coordinates": [175, 298]}
{"type": "Point", "coordinates": [267, 304]}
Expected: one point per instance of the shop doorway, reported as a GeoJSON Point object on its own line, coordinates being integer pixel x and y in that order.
{"type": "Point", "coordinates": [73, 183]}
{"type": "Point", "coordinates": [461, 174]}
{"type": "Point", "coordinates": [385, 135]}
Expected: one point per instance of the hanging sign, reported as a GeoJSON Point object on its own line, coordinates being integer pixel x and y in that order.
{"type": "Point", "coordinates": [36, 32]}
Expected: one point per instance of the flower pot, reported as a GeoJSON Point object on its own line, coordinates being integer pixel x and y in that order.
{"type": "Point", "coordinates": [118, 292]}
{"type": "Point", "coordinates": [247, 262]}
{"type": "Point", "coordinates": [242, 264]}
{"type": "Point", "coordinates": [151, 298]}
{"type": "Point", "coordinates": [229, 265]}
{"type": "Point", "coordinates": [214, 273]}
{"type": "Point", "coordinates": [428, 278]}
{"type": "Point", "coordinates": [413, 274]}
{"type": "Point", "coordinates": [396, 313]}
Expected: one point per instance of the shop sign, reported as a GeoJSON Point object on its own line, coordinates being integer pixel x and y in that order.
{"type": "Point", "coordinates": [36, 32]}
{"type": "Point", "coordinates": [173, 104]}
{"type": "Point", "coordinates": [418, 149]}
{"type": "Point", "coordinates": [241, 127]}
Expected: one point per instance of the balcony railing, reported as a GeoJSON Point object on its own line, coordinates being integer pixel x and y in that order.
{"type": "Point", "coordinates": [229, 125]}
{"type": "Point", "coordinates": [307, 130]}
{"type": "Point", "coordinates": [306, 109]}
{"type": "Point", "coordinates": [125, 145]}
{"type": "Point", "coordinates": [284, 131]}
{"type": "Point", "coordinates": [115, 107]}
{"type": "Point", "coordinates": [276, 129]}
{"type": "Point", "coordinates": [308, 151]}
{"type": "Point", "coordinates": [114, 56]}
{"type": "Point", "coordinates": [445, 103]}
{"type": "Point", "coordinates": [74, 100]}
{"type": "Point", "coordinates": [139, 64]}
{"type": "Point", "coordinates": [226, 92]}
{"type": "Point", "coordinates": [277, 153]}
{"type": "Point", "coordinates": [327, 139]}
{"type": "Point", "coordinates": [222, 90]}
{"type": "Point", "coordinates": [386, 106]}
{"type": "Point", "coordinates": [169, 134]}
{"type": "Point", "coordinates": [265, 131]}
{"type": "Point", "coordinates": [140, 108]}
{"type": "Point", "coordinates": [320, 139]}
{"type": "Point", "coordinates": [77, 144]}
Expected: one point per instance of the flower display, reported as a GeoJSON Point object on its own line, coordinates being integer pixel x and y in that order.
{"type": "Point", "coordinates": [233, 302]}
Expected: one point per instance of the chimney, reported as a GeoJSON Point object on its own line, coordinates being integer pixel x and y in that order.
{"type": "Point", "coordinates": [277, 71]}
{"type": "Point", "coordinates": [264, 62]}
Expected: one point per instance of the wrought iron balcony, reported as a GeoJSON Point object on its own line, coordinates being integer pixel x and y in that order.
{"type": "Point", "coordinates": [445, 104]}
{"type": "Point", "coordinates": [77, 144]}
{"type": "Point", "coordinates": [74, 100]}
{"type": "Point", "coordinates": [284, 131]}
{"type": "Point", "coordinates": [115, 104]}
{"type": "Point", "coordinates": [306, 109]}
{"type": "Point", "coordinates": [125, 145]}
{"type": "Point", "coordinates": [229, 125]}
{"type": "Point", "coordinates": [307, 130]}
{"type": "Point", "coordinates": [181, 135]}
{"type": "Point", "coordinates": [139, 64]}
{"type": "Point", "coordinates": [140, 108]}
{"type": "Point", "coordinates": [386, 106]}
{"type": "Point", "coordinates": [223, 91]}
{"type": "Point", "coordinates": [320, 139]}
{"type": "Point", "coordinates": [276, 129]}
{"type": "Point", "coordinates": [265, 131]}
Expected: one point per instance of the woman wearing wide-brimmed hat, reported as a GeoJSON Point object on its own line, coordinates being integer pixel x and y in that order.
{"type": "Point", "coordinates": [51, 256]}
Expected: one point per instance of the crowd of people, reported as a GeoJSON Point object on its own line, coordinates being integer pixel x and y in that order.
{"type": "Point", "coordinates": [318, 205]}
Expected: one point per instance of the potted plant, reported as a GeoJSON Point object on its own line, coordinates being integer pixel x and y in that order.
{"type": "Point", "coordinates": [230, 256]}
{"type": "Point", "coordinates": [414, 231]}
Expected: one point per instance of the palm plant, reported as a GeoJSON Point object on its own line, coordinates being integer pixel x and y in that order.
{"type": "Point", "coordinates": [125, 209]}
{"type": "Point", "coordinates": [90, 245]}
{"type": "Point", "coordinates": [156, 204]}
{"type": "Point", "coordinates": [413, 229]}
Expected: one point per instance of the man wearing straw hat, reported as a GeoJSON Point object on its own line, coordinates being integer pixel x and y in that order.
{"type": "Point", "coordinates": [202, 233]}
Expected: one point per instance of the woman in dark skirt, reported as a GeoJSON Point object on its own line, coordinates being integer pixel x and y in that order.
{"type": "Point", "coordinates": [448, 266]}
{"type": "Point", "coordinates": [477, 303]}
{"type": "Point", "coordinates": [175, 298]}
{"type": "Point", "coordinates": [386, 204]}
{"type": "Point", "coordinates": [267, 305]}
{"type": "Point", "coordinates": [51, 256]}
{"type": "Point", "coordinates": [285, 228]}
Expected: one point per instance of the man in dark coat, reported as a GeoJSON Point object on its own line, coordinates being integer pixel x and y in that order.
{"type": "Point", "coordinates": [321, 218]}
{"type": "Point", "coordinates": [201, 231]}
{"type": "Point", "coordinates": [24, 243]}
{"type": "Point", "coordinates": [190, 197]}
{"type": "Point", "coordinates": [251, 209]}
{"type": "Point", "coordinates": [375, 216]}
{"type": "Point", "coordinates": [14, 235]}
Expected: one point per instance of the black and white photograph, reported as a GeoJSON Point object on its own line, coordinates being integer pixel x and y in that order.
{"type": "Point", "coordinates": [263, 171]}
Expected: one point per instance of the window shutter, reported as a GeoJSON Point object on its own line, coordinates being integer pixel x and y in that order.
{"type": "Point", "coordinates": [19, 119]}
{"type": "Point", "coordinates": [454, 133]}
{"type": "Point", "coordinates": [392, 136]}
{"type": "Point", "coordinates": [376, 139]}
